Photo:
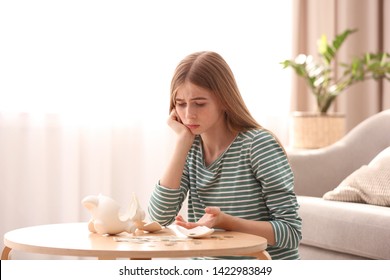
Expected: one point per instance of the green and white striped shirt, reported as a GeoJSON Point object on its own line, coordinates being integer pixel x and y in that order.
{"type": "Point", "coordinates": [252, 179]}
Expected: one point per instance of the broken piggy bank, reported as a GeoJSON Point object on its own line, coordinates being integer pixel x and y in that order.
{"type": "Point", "coordinates": [107, 217]}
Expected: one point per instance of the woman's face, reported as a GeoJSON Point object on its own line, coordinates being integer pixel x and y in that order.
{"type": "Point", "coordinates": [198, 108]}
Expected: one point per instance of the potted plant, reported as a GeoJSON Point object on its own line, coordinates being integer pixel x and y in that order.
{"type": "Point", "coordinates": [326, 86]}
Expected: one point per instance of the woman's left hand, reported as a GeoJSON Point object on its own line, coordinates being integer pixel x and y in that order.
{"type": "Point", "coordinates": [210, 219]}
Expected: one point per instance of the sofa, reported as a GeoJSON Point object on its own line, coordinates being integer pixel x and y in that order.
{"type": "Point", "coordinates": [335, 227]}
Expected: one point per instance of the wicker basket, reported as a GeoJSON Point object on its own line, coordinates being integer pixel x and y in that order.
{"type": "Point", "coordinates": [312, 131]}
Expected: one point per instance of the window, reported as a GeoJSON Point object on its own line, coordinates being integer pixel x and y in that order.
{"type": "Point", "coordinates": [105, 67]}
{"type": "Point", "coordinates": [112, 61]}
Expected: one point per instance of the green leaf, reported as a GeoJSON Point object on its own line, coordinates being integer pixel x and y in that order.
{"type": "Point", "coordinates": [328, 51]}
{"type": "Point", "coordinates": [339, 39]}
{"type": "Point", "coordinates": [321, 77]}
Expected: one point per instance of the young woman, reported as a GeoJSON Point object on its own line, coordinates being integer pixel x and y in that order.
{"type": "Point", "coordinates": [236, 173]}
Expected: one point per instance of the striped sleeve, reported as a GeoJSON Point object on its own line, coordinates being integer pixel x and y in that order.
{"type": "Point", "coordinates": [272, 169]}
{"type": "Point", "coordinates": [166, 203]}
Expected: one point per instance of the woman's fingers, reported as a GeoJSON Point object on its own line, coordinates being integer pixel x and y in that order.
{"type": "Point", "coordinates": [213, 210]}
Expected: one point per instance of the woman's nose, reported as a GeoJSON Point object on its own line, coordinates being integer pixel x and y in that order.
{"type": "Point", "coordinates": [190, 113]}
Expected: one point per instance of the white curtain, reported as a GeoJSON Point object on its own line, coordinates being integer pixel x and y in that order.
{"type": "Point", "coordinates": [84, 93]}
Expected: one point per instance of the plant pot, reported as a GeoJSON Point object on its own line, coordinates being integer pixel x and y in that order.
{"type": "Point", "coordinates": [314, 130]}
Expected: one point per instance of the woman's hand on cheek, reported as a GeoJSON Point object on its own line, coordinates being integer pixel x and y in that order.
{"type": "Point", "coordinates": [177, 126]}
{"type": "Point", "coordinates": [174, 121]}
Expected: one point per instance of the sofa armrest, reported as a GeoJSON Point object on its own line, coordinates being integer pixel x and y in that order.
{"type": "Point", "coordinates": [318, 171]}
{"type": "Point", "coordinates": [321, 170]}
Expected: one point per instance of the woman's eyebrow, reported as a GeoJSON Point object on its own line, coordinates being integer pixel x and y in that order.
{"type": "Point", "coordinates": [192, 99]}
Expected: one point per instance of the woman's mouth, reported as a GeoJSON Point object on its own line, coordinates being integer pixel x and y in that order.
{"type": "Point", "coordinates": [192, 126]}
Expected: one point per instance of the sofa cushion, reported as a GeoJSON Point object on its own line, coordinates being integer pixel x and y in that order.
{"type": "Point", "coordinates": [353, 228]}
{"type": "Point", "coordinates": [369, 184]}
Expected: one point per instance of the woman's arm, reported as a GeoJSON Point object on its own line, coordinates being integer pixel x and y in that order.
{"type": "Point", "coordinates": [272, 169]}
{"type": "Point", "coordinates": [169, 194]}
{"type": "Point", "coordinates": [171, 178]}
{"type": "Point", "coordinates": [215, 218]}
{"type": "Point", "coordinates": [262, 228]}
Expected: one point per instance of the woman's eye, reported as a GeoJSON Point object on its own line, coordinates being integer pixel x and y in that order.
{"type": "Point", "coordinates": [180, 104]}
{"type": "Point", "coordinates": [200, 104]}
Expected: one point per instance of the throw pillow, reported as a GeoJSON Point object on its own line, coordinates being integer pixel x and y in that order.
{"type": "Point", "coordinates": [369, 184]}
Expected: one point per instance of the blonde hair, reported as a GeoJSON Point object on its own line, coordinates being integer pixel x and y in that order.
{"type": "Point", "coordinates": [210, 71]}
